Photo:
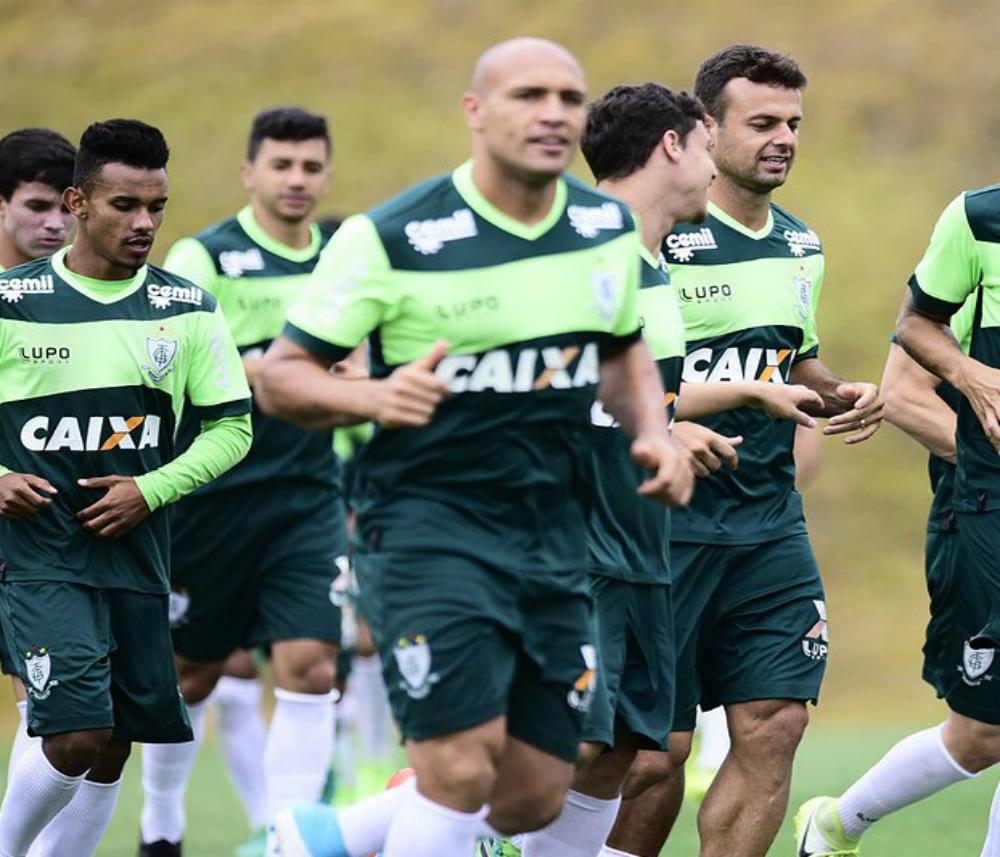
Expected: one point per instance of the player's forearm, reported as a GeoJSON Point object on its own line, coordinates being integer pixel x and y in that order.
{"type": "Point", "coordinates": [714, 397]}
{"type": "Point", "coordinates": [221, 444]}
{"type": "Point", "coordinates": [931, 343]}
{"type": "Point", "coordinates": [632, 392]}
{"type": "Point", "coordinates": [812, 373]}
{"type": "Point", "coordinates": [932, 426]}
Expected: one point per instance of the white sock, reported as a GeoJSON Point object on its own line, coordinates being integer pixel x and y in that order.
{"type": "Point", "coordinates": [35, 795]}
{"type": "Point", "coordinates": [376, 732]}
{"type": "Point", "coordinates": [364, 826]}
{"type": "Point", "coordinates": [713, 739]}
{"type": "Point", "coordinates": [614, 852]}
{"type": "Point", "coordinates": [916, 767]}
{"type": "Point", "coordinates": [241, 734]}
{"type": "Point", "coordinates": [22, 740]}
{"type": "Point", "coordinates": [165, 772]}
{"type": "Point", "coordinates": [991, 848]}
{"type": "Point", "coordinates": [77, 830]}
{"type": "Point", "coordinates": [299, 748]}
{"type": "Point", "coordinates": [579, 831]}
{"type": "Point", "coordinates": [423, 828]}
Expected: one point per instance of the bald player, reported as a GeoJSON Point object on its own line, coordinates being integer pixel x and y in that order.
{"type": "Point", "coordinates": [499, 299]}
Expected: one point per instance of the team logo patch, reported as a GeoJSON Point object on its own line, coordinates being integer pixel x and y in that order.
{"type": "Point", "coordinates": [15, 288]}
{"type": "Point", "coordinates": [583, 688]}
{"type": "Point", "coordinates": [235, 262]}
{"type": "Point", "coordinates": [178, 605]}
{"type": "Point", "coordinates": [163, 297]}
{"type": "Point", "coordinates": [429, 236]}
{"type": "Point", "coordinates": [799, 242]}
{"type": "Point", "coordinates": [975, 663]}
{"type": "Point", "coordinates": [161, 353]}
{"type": "Point", "coordinates": [588, 220]}
{"type": "Point", "coordinates": [683, 245]}
{"type": "Point", "coordinates": [803, 292]}
{"type": "Point", "coordinates": [413, 657]}
{"type": "Point", "coordinates": [38, 665]}
{"type": "Point", "coordinates": [605, 286]}
{"type": "Point", "coordinates": [816, 644]}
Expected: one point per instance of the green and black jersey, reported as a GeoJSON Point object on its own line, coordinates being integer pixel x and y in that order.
{"type": "Point", "coordinates": [749, 305]}
{"type": "Point", "coordinates": [256, 279]}
{"type": "Point", "coordinates": [963, 260]}
{"type": "Point", "coordinates": [499, 473]}
{"type": "Point", "coordinates": [629, 534]}
{"type": "Point", "coordinates": [93, 378]}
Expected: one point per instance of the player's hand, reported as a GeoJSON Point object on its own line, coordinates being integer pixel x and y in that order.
{"type": "Point", "coordinates": [122, 508]}
{"type": "Point", "coordinates": [411, 394]}
{"type": "Point", "coordinates": [786, 402]}
{"type": "Point", "coordinates": [864, 417]}
{"type": "Point", "coordinates": [981, 386]}
{"type": "Point", "coordinates": [22, 495]}
{"type": "Point", "coordinates": [708, 449]}
{"type": "Point", "coordinates": [673, 477]}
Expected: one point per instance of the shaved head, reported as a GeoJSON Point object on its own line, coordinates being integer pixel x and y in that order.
{"type": "Point", "coordinates": [498, 62]}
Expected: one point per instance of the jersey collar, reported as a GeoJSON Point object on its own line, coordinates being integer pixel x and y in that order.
{"type": "Point", "coordinates": [102, 291]}
{"type": "Point", "coordinates": [462, 179]}
{"type": "Point", "coordinates": [292, 254]}
{"type": "Point", "coordinates": [734, 224]}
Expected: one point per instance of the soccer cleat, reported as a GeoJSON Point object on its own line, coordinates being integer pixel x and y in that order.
{"type": "Point", "coordinates": [309, 830]}
{"type": "Point", "coordinates": [819, 833]}
{"type": "Point", "coordinates": [160, 848]}
{"type": "Point", "coordinates": [497, 848]}
{"type": "Point", "coordinates": [254, 846]}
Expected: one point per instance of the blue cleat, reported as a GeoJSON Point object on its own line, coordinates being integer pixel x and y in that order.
{"type": "Point", "coordinates": [310, 830]}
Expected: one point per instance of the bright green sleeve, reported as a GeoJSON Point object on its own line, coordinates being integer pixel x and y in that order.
{"type": "Point", "coordinates": [626, 324]}
{"type": "Point", "coordinates": [962, 322]}
{"type": "Point", "coordinates": [217, 383]}
{"type": "Point", "coordinates": [662, 322]}
{"type": "Point", "coordinates": [348, 293]}
{"type": "Point", "coordinates": [220, 445]}
{"type": "Point", "coordinates": [188, 258]}
{"type": "Point", "coordinates": [950, 270]}
{"type": "Point", "coordinates": [810, 331]}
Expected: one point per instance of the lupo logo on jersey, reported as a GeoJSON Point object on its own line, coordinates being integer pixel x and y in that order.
{"type": "Point", "coordinates": [533, 369]}
{"type": "Point", "coordinates": [91, 434]}
{"type": "Point", "coordinates": [429, 236]}
{"type": "Point", "coordinates": [44, 353]}
{"type": "Point", "coordinates": [758, 364]}
{"type": "Point", "coordinates": [816, 644]}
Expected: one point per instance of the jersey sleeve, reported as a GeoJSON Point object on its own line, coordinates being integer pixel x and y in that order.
{"type": "Point", "coordinates": [962, 322]}
{"type": "Point", "coordinates": [950, 269]}
{"type": "Point", "coordinates": [190, 259]}
{"type": "Point", "coordinates": [626, 324]}
{"type": "Point", "coordinates": [217, 384]}
{"type": "Point", "coordinates": [347, 296]}
{"type": "Point", "coordinates": [810, 330]}
{"type": "Point", "coordinates": [662, 322]}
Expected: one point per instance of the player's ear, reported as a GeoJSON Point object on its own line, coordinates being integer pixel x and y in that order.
{"type": "Point", "coordinates": [471, 103]}
{"type": "Point", "coordinates": [671, 143]}
{"type": "Point", "coordinates": [76, 202]}
{"type": "Point", "coordinates": [711, 125]}
{"type": "Point", "coordinates": [246, 174]}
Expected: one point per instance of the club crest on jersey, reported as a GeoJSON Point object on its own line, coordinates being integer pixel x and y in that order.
{"type": "Point", "coordinates": [413, 657]}
{"type": "Point", "coordinates": [161, 353]}
{"type": "Point", "coordinates": [605, 286]}
{"type": "Point", "coordinates": [235, 262]}
{"type": "Point", "coordinates": [13, 289]}
{"type": "Point", "coordinates": [975, 663]}
{"type": "Point", "coordinates": [588, 220]}
{"type": "Point", "coordinates": [817, 640]}
{"type": "Point", "coordinates": [803, 292]}
{"type": "Point", "coordinates": [683, 245]}
{"type": "Point", "coordinates": [583, 688]}
{"type": "Point", "coordinates": [429, 236]}
{"type": "Point", "coordinates": [799, 242]}
{"type": "Point", "coordinates": [178, 605]}
{"type": "Point", "coordinates": [38, 666]}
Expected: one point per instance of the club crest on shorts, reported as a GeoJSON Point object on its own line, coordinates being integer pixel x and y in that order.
{"type": "Point", "coordinates": [816, 644]}
{"type": "Point", "coordinates": [178, 604]}
{"type": "Point", "coordinates": [413, 657]}
{"type": "Point", "coordinates": [583, 688]}
{"type": "Point", "coordinates": [161, 354]}
{"type": "Point", "coordinates": [38, 666]}
{"type": "Point", "coordinates": [975, 663]}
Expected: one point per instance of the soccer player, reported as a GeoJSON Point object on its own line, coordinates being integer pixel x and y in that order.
{"type": "Point", "coordinates": [498, 298]}
{"type": "Point", "coordinates": [255, 553]}
{"type": "Point", "coordinates": [751, 619]}
{"type": "Point", "coordinates": [103, 352]}
{"type": "Point", "coordinates": [969, 739]}
{"type": "Point", "coordinates": [36, 166]}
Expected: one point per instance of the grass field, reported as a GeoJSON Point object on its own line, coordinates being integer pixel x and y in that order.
{"type": "Point", "coordinates": [951, 824]}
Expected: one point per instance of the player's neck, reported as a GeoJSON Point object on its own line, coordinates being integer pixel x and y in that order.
{"type": "Point", "coordinates": [749, 208]}
{"type": "Point", "coordinates": [9, 254]}
{"type": "Point", "coordinates": [639, 193]}
{"type": "Point", "coordinates": [528, 203]}
{"type": "Point", "coordinates": [295, 235]}
{"type": "Point", "coordinates": [81, 259]}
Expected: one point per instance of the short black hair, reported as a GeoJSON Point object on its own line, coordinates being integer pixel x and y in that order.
{"type": "Point", "coordinates": [119, 141]}
{"type": "Point", "coordinates": [756, 64]}
{"type": "Point", "coordinates": [625, 125]}
{"type": "Point", "coordinates": [287, 123]}
{"type": "Point", "coordinates": [35, 155]}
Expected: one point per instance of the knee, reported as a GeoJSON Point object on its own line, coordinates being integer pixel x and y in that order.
{"type": "Point", "coordinates": [74, 753]}
{"type": "Point", "coordinates": [974, 745]}
{"type": "Point", "coordinates": [532, 806]}
{"type": "Point", "coordinates": [197, 681]}
{"type": "Point", "coordinates": [305, 667]}
{"type": "Point", "coordinates": [315, 676]}
{"type": "Point", "coordinates": [774, 728]}
{"type": "Point", "coordinates": [651, 768]}
{"type": "Point", "coordinates": [109, 767]}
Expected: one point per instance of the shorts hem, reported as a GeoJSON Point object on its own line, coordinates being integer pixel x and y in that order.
{"type": "Point", "coordinates": [548, 742]}
{"type": "Point", "coordinates": [795, 694]}
{"type": "Point", "coordinates": [59, 727]}
{"type": "Point", "coordinates": [974, 712]}
{"type": "Point", "coordinates": [440, 728]}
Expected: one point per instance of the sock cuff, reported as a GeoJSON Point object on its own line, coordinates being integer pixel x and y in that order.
{"type": "Point", "coordinates": [969, 775]}
{"type": "Point", "coordinates": [448, 812]}
{"type": "Point", "coordinates": [590, 803]}
{"type": "Point", "coordinates": [22, 706]}
{"type": "Point", "coordinates": [366, 664]}
{"type": "Point", "coordinates": [115, 785]}
{"type": "Point", "coordinates": [195, 709]}
{"type": "Point", "coordinates": [283, 695]}
{"type": "Point", "coordinates": [245, 690]}
{"type": "Point", "coordinates": [608, 851]}
{"type": "Point", "coordinates": [54, 773]}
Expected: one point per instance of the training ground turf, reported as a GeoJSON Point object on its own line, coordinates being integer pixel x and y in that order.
{"type": "Point", "coordinates": [951, 824]}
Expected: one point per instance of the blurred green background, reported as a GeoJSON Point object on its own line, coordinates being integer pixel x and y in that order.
{"type": "Point", "coordinates": [900, 114]}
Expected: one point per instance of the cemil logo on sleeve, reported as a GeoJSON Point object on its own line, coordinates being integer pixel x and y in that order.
{"type": "Point", "coordinates": [90, 434]}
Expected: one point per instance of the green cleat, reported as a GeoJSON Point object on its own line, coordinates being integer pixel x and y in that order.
{"type": "Point", "coordinates": [819, 833]}
{"type": "Point", "coordinates": [497, 848]}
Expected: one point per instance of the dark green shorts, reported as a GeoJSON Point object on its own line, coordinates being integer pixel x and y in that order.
{"type": "Point", "coordinates": [751, 624]}
{"type": "Point", "coordinates": [7, 665]}
{"type": "Point", "coordinates": [463, 643]}
{"type": "Point", "coordinates": [94, 659]}
{"type": "Point", "coordinates": [964, 677]}
{"type": "Point", "coordinates": [635, 645]}
{"type": "Point", "coordinates": [254, 566]}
